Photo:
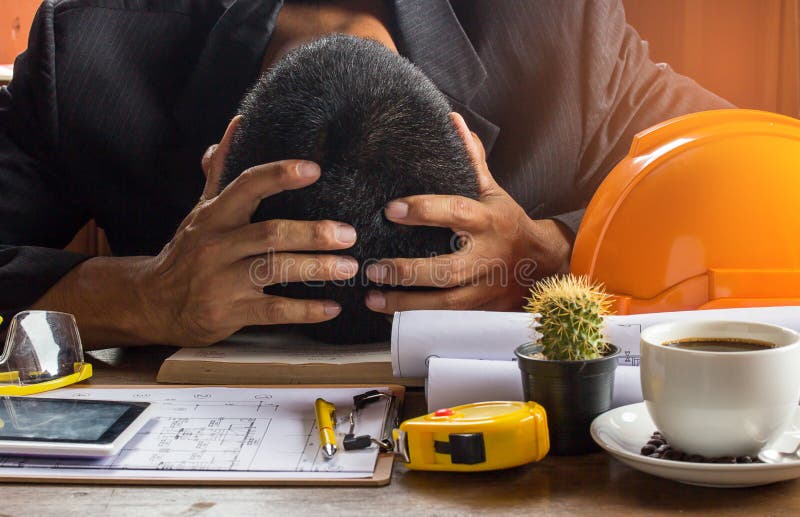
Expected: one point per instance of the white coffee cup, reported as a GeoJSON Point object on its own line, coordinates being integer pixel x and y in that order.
{"type": "Point", "coordinates": [720, 403]}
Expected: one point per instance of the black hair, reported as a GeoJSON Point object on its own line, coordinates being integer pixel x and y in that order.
{"type": "Point", "coordinates": [380, 130]}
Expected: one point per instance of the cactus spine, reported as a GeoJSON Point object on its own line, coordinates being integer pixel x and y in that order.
{"type": "Point", "coordinates": [569, 312]}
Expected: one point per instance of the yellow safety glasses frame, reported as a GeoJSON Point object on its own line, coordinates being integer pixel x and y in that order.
{"type": "Point", "coordinates": [43, 352]}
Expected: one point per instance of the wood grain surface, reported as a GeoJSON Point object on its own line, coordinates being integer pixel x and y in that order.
{"type": "Point", "coordinates": [593, 484]}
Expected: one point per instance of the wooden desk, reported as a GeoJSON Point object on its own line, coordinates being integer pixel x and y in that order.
{"type": "Point", "coordinates": [591, 484]}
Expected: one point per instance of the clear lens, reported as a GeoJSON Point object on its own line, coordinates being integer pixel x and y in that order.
{"type": "Point", "coordinates": [41, 346]}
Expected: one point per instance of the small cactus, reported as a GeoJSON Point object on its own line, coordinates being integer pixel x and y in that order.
{"type": "Point", "coordinates": [569, 311]}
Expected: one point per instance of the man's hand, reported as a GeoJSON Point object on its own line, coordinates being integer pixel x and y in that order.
{"type": "Point", "coordinates": [207, 281]}
{"type": "Point", "coordinates": [502, 250]}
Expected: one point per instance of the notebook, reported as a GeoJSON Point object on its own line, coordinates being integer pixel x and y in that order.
{"type": "Point", "coordinates": [264, 356]}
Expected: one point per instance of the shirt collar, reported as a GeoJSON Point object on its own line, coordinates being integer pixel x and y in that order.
{"type": "Point", "coordinates": [428, 33]}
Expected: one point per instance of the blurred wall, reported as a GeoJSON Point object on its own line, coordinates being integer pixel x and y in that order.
{"type": "Point", "coordinates": [16, 17]}
{"type": "Point", "coordinates": [744, 50]}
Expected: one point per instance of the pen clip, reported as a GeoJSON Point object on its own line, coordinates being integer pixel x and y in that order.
{"type": "Point", "coordinates": [326, 423]}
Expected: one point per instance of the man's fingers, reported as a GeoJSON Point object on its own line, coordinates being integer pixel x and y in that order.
{"type": "Point", "coordinates": [477, 153]}
{"type": "Point", "coordinates": [442, 271]}
{"type": "Point", "coordinates": [208, 157]}
{"type": "Point", "coordinates": [457, 298]}
{"type": "Point", "coordinates": [213, 162]}
{"type": "Point", "coordinates": [276, 310]}
{"type": "Point", "coordinates": [285, 235]}
{"type": "Point", "coordinates": [280, 268]}
{"type": "Point", "coordinates": [456, 212]}
{"type": "Point", "coordinates": [479, 146]}
{"type": "Point", "coordinates": [236, 204]}
{"type": "Point", "coordinates": [466, 137]}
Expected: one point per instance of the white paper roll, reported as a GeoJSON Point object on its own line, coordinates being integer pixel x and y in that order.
{"type": "Point", "coordinates": [627, 386]}
{"type": "Point", "coordinates": [420, 335]}
{"type": "Point", "coordinates": [453, 382]}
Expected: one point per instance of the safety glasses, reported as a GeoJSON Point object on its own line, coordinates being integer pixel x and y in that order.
{"type": "Point", "coordinates": [43, 352]}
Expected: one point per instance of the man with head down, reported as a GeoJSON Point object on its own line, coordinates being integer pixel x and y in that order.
{"type": "Point", "coordinates": [114, 102]}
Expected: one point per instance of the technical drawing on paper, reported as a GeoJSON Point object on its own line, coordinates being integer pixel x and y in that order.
{"type": "Point", "coordinates": [227, 429]}
{"type": "Point", "coordinates": [626, 336]}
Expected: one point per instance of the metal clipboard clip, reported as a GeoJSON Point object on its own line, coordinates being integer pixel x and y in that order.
{"type": "Point", "coordinates": [385, 444]}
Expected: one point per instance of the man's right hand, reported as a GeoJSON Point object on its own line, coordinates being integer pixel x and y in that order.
{"type": "Point", "coordinates": [207, 282]}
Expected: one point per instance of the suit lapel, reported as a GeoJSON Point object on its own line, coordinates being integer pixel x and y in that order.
{"type": "Point", "coordinates": [226, 68]}
{"type": "Point", "coordinates": [431, 36]}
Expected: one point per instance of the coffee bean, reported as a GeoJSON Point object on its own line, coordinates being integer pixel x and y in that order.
{"type": "Point", "coordinates": [657, 447]}
{"type": "Point", "coordinates": [648, 449]}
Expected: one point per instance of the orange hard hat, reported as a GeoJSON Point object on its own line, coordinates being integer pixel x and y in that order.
{"type": "Point", "coordinates": [703, 213]}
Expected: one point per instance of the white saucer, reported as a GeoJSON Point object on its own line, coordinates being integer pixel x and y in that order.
{"type": "Point", "coordinates": [623, 431]}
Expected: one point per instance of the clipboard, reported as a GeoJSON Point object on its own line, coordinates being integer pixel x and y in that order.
{"type": "Point", "coordinates": [381, 474]}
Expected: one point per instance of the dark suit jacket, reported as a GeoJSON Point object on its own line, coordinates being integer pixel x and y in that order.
{"type": "Point", "coordinates": [114, 102]}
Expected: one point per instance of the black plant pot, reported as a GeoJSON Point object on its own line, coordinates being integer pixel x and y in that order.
{"type": "Point", "coordinates": [572, 393]}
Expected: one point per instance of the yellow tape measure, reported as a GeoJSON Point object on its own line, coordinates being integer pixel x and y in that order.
{"type": "Point", "coordinates": [474, 437]}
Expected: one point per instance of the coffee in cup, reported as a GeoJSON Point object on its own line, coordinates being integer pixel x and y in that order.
{"type": "Point", "coordinates": [720, 344]}
{"type": "Point", "coordinates": [718, 388]}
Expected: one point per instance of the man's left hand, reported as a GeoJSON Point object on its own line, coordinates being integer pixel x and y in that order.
{"type": "Point", "coordinates": [502, 251]}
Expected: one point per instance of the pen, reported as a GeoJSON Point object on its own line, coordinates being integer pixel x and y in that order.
{"type": "Point", "coordinates": [326, 423]}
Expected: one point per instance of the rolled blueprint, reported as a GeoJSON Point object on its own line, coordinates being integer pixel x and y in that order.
{"type": "Point", "coordinates": [452, 382]}
{"type": "Point", "coordinates": [418, 336]}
